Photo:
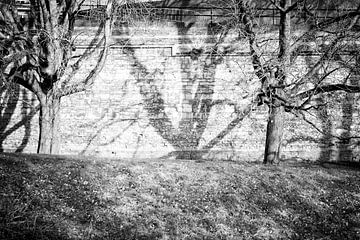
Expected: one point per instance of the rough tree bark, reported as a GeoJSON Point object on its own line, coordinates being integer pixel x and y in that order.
{"type": "Point", "coordinates": [38, 57]}
{"type": "Point", "coordinates": [275, 124]}
{"type": "Point", "coordinates": [281, 90]}
{"type": "Point", "coordinates": [49, 139]}
{"type": "Point", "coordinates": [274, 133]}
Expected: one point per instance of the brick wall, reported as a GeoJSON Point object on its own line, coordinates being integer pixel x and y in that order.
{"type": "Point", "coordinates": [157, 97]}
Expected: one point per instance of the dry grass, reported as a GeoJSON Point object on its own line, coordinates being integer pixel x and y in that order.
{"type": "Point", "coordinates": [46, 197]}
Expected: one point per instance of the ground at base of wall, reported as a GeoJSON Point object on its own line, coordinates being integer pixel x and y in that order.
{"type": "Point", "coordinates": [55, 197]}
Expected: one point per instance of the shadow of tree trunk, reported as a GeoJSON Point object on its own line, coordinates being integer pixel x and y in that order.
{"type": "Point", "coordinates": [345, 151]}
{"type": "Point", "coordinates": [198, 64]}
{"type": "Point", "coordinates": [326, 141]}
{"type": "Point", "coordinates": [8, 100]}
{"type": "Point", "coordinates": [326, 150]}
{"type": "Point", "coordinates": [198, 81]}
{"type": "Point", "coordinates": [336, 146]}
{"type": "Point", "coordinates": [28, 115]}
{"type": "Point", "coordinates": [8, 103]}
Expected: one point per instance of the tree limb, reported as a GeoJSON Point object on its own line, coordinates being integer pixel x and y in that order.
{"type": "Point", "coordinates": [240, 115]}
{"type": "Point", "coordinates": [256, 59]}
{"type": "Point", "coordinates": [278, 6]}
{"type": "Point", "coordinates": [292, 7]}
{"type": "Point", "coordinates": [323, 132]}
{"type": "Point", "coordinates": [326, 55]}
{"type": "Point", "coordinates": [89, 80]}
{"type": "Point", "coordinates": [330, 88]}
{"type": "Point", "coordinates": [330, 21]}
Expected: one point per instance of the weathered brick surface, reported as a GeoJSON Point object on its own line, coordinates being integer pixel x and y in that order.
{"type": "Point", "coordinates": [151, 100]}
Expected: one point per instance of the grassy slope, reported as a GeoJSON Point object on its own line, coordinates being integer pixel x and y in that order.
{"type": "Point", "coordinates": [44, 197]}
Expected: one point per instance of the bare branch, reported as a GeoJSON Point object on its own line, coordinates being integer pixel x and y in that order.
{"type": "Point", "coordinates": [74, 68]}
{"type": "Point", "coordinates": [355, 20]}
{"type": "Point", "coordinates": [354, 14]}
{"type": "Point", "coordinates": [292, 7]}
{"type": "Point", "coordinates": [278, 6]}
{"type": "Point", "coordinates": [83, 85]}
{"type": "Point", "coordinates": [331, 50]}
{"type": "Point", "coordinates": [321, 131]}
{"type": "Point", "coordinates": [330, 88]}
{"type": "Point", "coordinates": [225, 102]}
{"type": "Point", "coordinates": [256, 59]}
{"type": "Point", "coordinates": [240, 115]}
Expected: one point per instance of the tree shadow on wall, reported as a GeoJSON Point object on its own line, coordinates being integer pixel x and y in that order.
{"type": "Point", "coordinates": [103, 123]}
{"type": "Point", "coordinates": [335, 146]}
{"type": "Point", "coordinates": [9, 98]}
{"type": "Point", "coordinates": [345, 150]}
{"type": "Point", "coordinates": [326, 141]}
{"type": "Point", "coordinates": [197, 71]}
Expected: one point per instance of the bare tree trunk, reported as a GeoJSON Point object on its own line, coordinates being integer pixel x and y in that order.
{"type": "Point", "coordinates": [49, 125]}
{"type": "Point", "coordinates": [274, 134]}
{"type": "Point", "coordinates": [275, 126]}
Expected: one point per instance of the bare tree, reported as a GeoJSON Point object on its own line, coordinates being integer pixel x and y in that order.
{"type": "Point", "coordinates": [301, 28]}
{"type": "Point", "coordinates": [37, 54]}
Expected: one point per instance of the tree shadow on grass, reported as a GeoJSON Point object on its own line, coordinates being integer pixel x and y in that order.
{"type": "Point", "coordinates": [44, 200]}
{"type": "Point", "coordinates": [55, 198]}
{"type": "Point", "coordinates": [298, 209]}
{"type": "Point", "coordinates": [19, 216]}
